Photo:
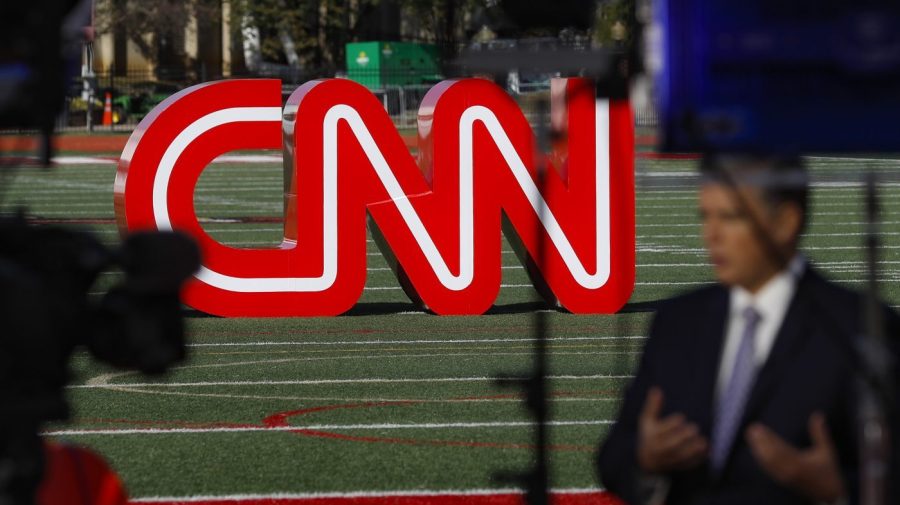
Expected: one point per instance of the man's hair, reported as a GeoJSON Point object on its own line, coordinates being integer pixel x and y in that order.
{"type": "Point", "coordinates": [780, 179]}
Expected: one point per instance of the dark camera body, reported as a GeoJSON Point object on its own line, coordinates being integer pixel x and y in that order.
{"type": "Point", "coordinates": [45, 277]}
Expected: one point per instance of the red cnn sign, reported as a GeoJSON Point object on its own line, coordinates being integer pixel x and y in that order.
{"type": "Point", "coordinates": [438, 215]}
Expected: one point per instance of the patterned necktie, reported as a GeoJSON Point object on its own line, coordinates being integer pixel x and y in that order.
{"type": "Point", "coordinates": [730, 405]}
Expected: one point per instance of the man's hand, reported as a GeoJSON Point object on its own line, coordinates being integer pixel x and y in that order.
{"type": "Point", "coordinates": [669, 443]}
{"type": "Point", "coordinates": [813, 472]}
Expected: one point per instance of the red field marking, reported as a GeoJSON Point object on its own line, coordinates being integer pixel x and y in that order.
{"type": "Point", "coordinates": [559, 498]}
{"type": "Point", "coordinates": [281, 420]}
{"type": "Point", "coordinates": [78, 143]}
{"type": "Point", "coordinates": [60, 161]}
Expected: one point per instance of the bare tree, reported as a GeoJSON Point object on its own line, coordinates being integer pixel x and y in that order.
{"type": "Point", "coordinates": [155, 27]}
{"type": "Point", "coordinates": [305, 33]}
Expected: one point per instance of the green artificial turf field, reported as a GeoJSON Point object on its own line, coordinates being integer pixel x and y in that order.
{"type": "Point", "coordinates": [386, 397]}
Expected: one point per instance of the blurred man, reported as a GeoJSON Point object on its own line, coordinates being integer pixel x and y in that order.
{"type": "Point", "coordinates": [745, 392]}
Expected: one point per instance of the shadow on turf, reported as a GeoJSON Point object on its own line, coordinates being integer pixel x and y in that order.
{"type": "Point", "coordinates": [649, 306]}
{"type": "Point", "coordinates": [388, 308]}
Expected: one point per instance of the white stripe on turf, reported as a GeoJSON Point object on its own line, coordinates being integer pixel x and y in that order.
{"type": "Point", "coordinates": [321, 427]}
{"type": "Point", "coordinates": [104, 381]}
{"type": "Point", "coordinates": [410, 342]}
{"type": "Point", "coordinates": [367, 399]}
{"type": "Point", "coordinates": [316, 382]}
{"type": "Point", "coordinates": [354, 494]}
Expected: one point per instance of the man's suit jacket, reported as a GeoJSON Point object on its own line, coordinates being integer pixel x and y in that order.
{"type": "Point", "coordinates": [810, 368]}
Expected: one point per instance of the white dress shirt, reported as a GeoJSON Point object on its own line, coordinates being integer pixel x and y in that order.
{"type": "Point", "coordinates": [771, 302]}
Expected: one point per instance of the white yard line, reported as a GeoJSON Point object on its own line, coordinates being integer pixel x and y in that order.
{"type": "Point", "coordinates": [437, 493]}
{"type": "Point", "coordinates": [293, 399]}
{"type": "Point", "coordinates": [414, 342]}
{"type": "Point", "coordinates": [84, 160]}
{"type": "Point", "coordinates": [322, 427]}
{"type": "Point", "coordinates": [105, 380]}
{"type": "Point", "coordinates": [318, 382]}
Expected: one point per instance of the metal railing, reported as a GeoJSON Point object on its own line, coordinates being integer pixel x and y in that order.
{"type": "Point", "coordinates": [402, 104]}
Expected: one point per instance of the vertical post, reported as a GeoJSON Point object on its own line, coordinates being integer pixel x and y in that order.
{"type": "Point", "coordinates": [875, 374]}
{"type": "Point", "coordinates": [87, 79]}
{"type": "Point", "coordinates": [112, 89]}
{"type": "Point", "coordinates": [539, 485]}
{"type": "Point", "coordinates": [402, 97]}
{"type": "Point", "coordinates": [536, 481]}
{"type": "Point", "coordinates": [89, 119]}
{"type": "Point", "coordinates": [45, 146]}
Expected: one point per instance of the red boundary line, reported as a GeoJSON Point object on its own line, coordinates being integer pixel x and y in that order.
{"type": "Point", "coordinates": [281, 419]}
{"type": "Point", "coordinates": [595, 498]}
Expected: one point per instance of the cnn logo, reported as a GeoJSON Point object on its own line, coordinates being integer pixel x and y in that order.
{"type": "Point", "coordinates": [440, 214]}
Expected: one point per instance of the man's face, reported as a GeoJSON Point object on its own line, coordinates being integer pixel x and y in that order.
{"type": "Point", "coordinates": [737, 253]}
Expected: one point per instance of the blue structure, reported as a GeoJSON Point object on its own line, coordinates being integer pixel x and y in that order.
{"type": "Point", "coordinates": [779, 75]}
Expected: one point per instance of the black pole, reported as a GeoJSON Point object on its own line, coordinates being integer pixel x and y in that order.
{"type": "Point", "coordinates": [874, 432]}
{"type": "Point", "coordinates": [538, 491]}
{"type": "Point", "coordinates": [536, 480]}
{"type": "Point", "coordinates": [45, 146]}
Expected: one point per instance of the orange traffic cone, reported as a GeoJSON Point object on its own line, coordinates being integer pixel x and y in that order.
{"type": "Point", "coordinates": [107, 110]}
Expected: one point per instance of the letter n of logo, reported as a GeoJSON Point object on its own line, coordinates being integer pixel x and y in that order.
{"type": "Point", "coordinates": [437, 216]}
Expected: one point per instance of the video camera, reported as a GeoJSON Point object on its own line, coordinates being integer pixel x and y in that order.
{"type": "Point", "coordinates": [45, 277]}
